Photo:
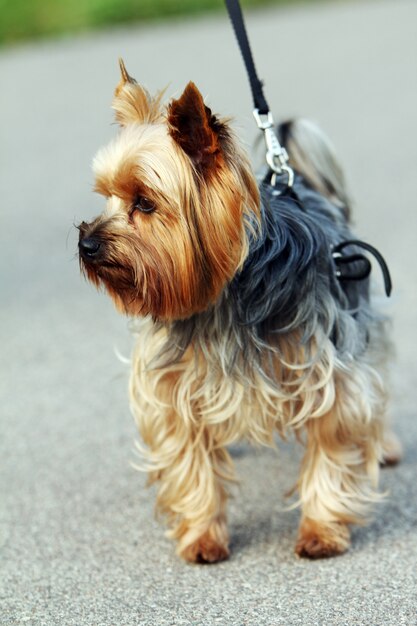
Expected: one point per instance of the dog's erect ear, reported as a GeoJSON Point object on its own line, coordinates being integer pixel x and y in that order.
{"type": "Point", "coordinates": [132, 103]}
{"type": "Point", "coordinates": [194, 128]}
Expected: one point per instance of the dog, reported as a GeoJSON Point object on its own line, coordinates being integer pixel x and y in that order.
{"type": "Point", "coordinates": [246, 328]}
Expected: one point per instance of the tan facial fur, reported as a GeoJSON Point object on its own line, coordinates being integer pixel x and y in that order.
{"type": "Point", "coordinates": [174, 261]}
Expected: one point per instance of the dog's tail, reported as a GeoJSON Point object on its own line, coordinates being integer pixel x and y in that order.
{"type": "Point", "coordinates": [312, 155]}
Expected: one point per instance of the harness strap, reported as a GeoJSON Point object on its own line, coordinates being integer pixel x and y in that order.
{"type": "Point", "coordinates": [364, 270]}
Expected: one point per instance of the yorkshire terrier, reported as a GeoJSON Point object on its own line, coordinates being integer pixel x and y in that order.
{"type": "Point", "coordinates": [246, 326]}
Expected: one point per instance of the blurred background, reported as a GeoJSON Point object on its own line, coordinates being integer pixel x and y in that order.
{"type": "Point", "coordinates": [78, 541]}
{"type": "Point", "coordinates": [29, 19]}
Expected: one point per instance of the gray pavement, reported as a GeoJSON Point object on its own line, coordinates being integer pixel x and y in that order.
{"type": "Point", "coordinates": [79, 544]}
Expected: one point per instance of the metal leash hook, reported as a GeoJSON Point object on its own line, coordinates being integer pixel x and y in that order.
{"type": "Point", "coordinates": [276, 155]}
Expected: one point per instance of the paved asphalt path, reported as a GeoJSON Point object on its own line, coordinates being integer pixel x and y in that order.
{"type": "Point", "coordinates": [79, 544]}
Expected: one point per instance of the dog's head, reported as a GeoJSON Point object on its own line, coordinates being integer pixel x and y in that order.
{"type": "Point", "coordinates": [179, 193]}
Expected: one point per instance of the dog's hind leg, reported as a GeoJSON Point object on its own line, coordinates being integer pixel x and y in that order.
{"type": "Point", "coordinates": [340, 468]}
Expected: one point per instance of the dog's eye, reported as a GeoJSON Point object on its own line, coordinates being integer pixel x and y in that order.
{"type": "Point", "coordinates": [143, 204]}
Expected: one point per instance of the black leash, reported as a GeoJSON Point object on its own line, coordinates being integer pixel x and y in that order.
{"type": "Point", "coordinates": [276, 155]}
{"type": "Point", "coordinates": [236, 17]}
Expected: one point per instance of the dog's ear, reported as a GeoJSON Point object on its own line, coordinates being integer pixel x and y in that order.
{"type": "Point", "coordinates": [194, 128]}
{"type": "Point", "coordinates": [132, 103]}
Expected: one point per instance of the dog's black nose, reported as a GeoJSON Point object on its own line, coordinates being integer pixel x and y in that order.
{"type": "Point", "coordinates": [89, 247]}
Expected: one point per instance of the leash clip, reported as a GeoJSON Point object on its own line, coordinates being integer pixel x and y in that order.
{"type": "Point", "coordinates": [276, 155]}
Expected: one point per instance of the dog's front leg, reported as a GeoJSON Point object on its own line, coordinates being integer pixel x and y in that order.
{"type": "Point", "coordinates": [340, 468]}
{"type": "Point", "coordinates": [190, 469]}
{"type": "Point", "coordinates": [196, 497]}
{"type": "Point", "coordinates": [192, 493]}
{"type": "Point", "coordinates": [187, 456]}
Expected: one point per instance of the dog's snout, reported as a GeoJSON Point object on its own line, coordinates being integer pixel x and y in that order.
{"type": "Point", "coordinates": [89, 247]}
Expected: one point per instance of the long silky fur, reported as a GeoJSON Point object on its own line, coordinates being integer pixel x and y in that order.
{"type": "Point", "coordinates": [247, 331]}
{"type": "Point", "coordinates": [286, 343]}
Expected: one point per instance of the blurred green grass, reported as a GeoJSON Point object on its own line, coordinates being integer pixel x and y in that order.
{"type": "Point", "coordinates": [31, 19]}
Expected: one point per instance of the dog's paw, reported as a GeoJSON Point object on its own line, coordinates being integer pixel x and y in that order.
{"type": "Point", "coordinates": [206, 549]}
{"type": "Point", "coordinates": [317, 540]}
{"type": "Point", "coordinates": [392, 449]}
